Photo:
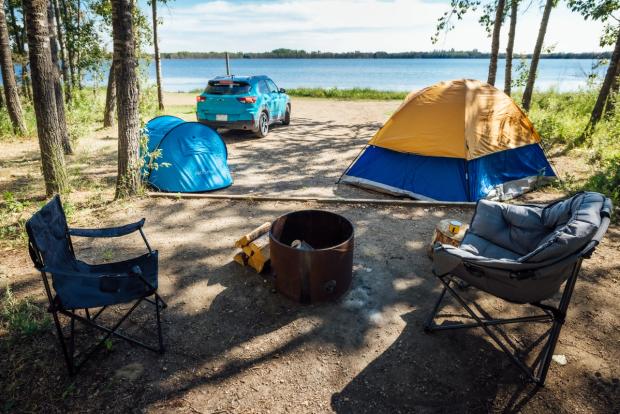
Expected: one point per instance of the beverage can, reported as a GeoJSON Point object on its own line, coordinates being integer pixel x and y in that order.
{"type": "Point", "coordinates": [455, 226]}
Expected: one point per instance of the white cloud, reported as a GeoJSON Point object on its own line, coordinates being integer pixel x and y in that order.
{"type": "Point", "coordinates": [345, 25]}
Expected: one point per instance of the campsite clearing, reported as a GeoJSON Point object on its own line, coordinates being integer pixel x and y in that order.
{"type": "Point", "coordinates": [234, 346]}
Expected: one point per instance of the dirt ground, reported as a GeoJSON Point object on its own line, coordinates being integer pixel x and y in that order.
{"type": "Point", "coordinates": [233, 345]}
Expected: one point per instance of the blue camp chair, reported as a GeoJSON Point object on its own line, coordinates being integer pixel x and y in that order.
{"type": "Point", "coordinates": [79, 285]}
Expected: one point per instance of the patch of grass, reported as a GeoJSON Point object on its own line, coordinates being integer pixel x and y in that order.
{"type": "Point", "coordinates": [351, 94]}
{"type": "Point", "coordinates": [108, 255]}
{"type": "Point", "coordinates": [13, 218]}
{"type": "Point", "coordinates": [22, 317]}
{"type": "Point", "coordinates": [562, 117]}
{"type": "Point", "coordinates": [6, 127]}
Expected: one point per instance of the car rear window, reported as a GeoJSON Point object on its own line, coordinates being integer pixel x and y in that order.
{"type": "Point", "coordinates": [226, 87]}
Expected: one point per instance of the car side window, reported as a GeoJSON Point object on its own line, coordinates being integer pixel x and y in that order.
{"type": "Point", "coordinates": [263, 87]}
{"type": "Point", "coordinates": [272, 86]}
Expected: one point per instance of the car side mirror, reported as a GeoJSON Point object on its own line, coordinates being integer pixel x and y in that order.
{"type": "Point", "coordinates": [282, 90]}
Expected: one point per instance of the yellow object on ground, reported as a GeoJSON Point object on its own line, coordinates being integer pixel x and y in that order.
{"type": "Point", "coordinates": [458, 119]}
{"type": "Point", "coordinates": [257, 232]}
{"type": "Point", "coordinates": [254, 248]}
{"type": "Point", "coordinates": [241, 258]}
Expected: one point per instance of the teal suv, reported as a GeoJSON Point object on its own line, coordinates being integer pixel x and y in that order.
{"type": "Point", "coordinates": [243, 102]}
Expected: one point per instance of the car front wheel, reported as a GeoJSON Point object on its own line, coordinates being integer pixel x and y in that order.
{"type": "Point", "coordinates": [287, 116]}
{"type": "Point", "coordinates": [262, 129]}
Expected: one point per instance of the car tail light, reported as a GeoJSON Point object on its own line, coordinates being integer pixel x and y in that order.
{"type": "Point", "coordinates": [247, 99]}
{"type": "Point", "coordinates": [200, 99]}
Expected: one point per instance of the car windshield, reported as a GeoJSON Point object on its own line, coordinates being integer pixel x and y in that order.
{"type": "Point", "coordinates": [227, 87]}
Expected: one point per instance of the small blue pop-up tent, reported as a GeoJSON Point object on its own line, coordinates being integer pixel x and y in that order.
{"type": "Point", "coordinates": [191, 157]}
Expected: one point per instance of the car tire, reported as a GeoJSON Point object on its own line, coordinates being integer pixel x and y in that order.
{"type": "Point", "coordinates": [262, 129]}
{"type": "Point", "coordinates": [287, 116]}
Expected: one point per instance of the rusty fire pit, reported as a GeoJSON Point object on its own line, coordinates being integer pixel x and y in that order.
{"type": "Point", "coordinates": [312, 255]}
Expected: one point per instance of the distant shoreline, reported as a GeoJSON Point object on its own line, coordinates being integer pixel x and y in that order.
{"type": "Point", "coordinates": [302, 54]}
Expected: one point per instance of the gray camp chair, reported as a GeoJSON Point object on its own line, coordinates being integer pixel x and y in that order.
{"type": "Point", "coordinates": [522, 254]}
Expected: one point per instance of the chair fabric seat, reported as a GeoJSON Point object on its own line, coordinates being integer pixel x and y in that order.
{"type": "Point", "coordinates": [522, 253]}
{"type": "Point", "coordinates": [89, 286]}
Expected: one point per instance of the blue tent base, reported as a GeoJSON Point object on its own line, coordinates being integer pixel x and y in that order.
{"type": "Point", "coordinates": [502, 175]}
{"type": "Point", "coordinates": [154, 188]}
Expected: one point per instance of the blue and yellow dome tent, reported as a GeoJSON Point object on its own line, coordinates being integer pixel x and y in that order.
{"type": "Point", "coordinates": [460, 140]}
{"type": "Point", "coordinates": [191, 157]}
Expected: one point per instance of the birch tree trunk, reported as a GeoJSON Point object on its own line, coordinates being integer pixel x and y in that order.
{"type": "Point", "coordinates": [11, 93]}
{"type": "Point", "coordinates": [110, 100]}
{"type": "Point", "coordinates": [531, 78]}
{"type": "Point", "coordinates": [60, 101]}
{"type": "Point", "coordinates": [497, 27]}
{"type": "Point", "coordinates": [514, 8]}
{"type": "Point", "coordinates": [160, 98]}
{"type": "Point", "coordinates": [125, 64]}
{"type": "Point", "coordinates": [52, 157]}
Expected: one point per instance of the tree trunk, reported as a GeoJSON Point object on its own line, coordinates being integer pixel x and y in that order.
{"type": "Point", "coordinates": [110, 100]}
{"type": "Point", "coordinates": [25, 72]}
{"type": "Point", "coordinates": [62, 50]}
{"type": "Point", "coordinates": [601, 100]}
{"type": "Point", "coordinates": [514, 8]}
{"type": "Point", "coordinates": [52, 157]}
{"type": "Point", "coordinates": [531, 78]}
{"type": "Point", "coordinates": [69, 38]}
{"type": "Point", "coordinates": [613, 93]}
{"type": "Point", "coordinates": [60, 101]}
{"type": "Point", "coordinates": [78, 18]}
{"type": "Point", "coordinates": [160, 98]}
{"type": "Point", "coordinates": [125, 64]}
{"type": "Point", "coordinates": [8, 77]}
{"type": "Point", "coordinates": [497, 27]}
{"type": "Point", "coordinates": [20, 40]}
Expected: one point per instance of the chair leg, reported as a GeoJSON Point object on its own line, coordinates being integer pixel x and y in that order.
{"type": "Point", "coordinates": [537, 373]}
{"type": "Point", "coordinates": [430, 321]}
{"type": "Point", "coordinates": [63, 345]}
{"type": "Point", "coordinates": [88, 320]}
{"type": "Point", "coordinates": [159, 333]}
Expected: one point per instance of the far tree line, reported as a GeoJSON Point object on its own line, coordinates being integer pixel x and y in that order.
{"type": "Point", "coordinates": [435, 54]}
{"type": "Point", "coordinates": [57, 41]}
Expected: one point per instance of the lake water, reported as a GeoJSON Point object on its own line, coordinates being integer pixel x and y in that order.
{"type": "Point", "coordinates": [385, 74]}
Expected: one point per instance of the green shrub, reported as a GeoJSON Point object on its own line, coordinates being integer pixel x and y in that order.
{"type": "Point", "coordinates": [353, 94]}
{"type": "Point", "coordinates": [607, 179]}
{"type": "Point", "coordinates": [561, 119]}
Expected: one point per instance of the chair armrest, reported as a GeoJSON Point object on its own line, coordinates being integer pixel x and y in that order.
{"type": "Point", "coordinates": [108, 232]}
{"type": "Point", "coordinates": [64, 272]}
{"type": "Point", "coordinates": [108, 282]}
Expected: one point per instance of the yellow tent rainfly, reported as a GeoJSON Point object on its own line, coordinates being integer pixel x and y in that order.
{"type": "Point", "coordinates": [459, 140]}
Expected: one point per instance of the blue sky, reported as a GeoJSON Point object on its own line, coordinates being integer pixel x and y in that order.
{"type": "Point", "coordinates": [345, 25]}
